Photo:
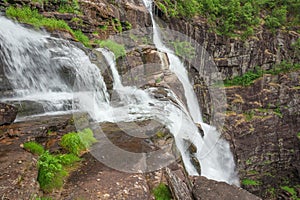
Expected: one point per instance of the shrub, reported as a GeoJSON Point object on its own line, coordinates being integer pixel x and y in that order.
{"type": "Point", "coordinates": [117, 49]}
{"type": "Point", "coordinates": [248, 78]}
{"type": "Point", "coordinates": [34, 148]}
{"type": "Point", "coordinates": [52, 169]}
{"type": "Point", "coordinates": [75, 143]}
{"type": "Point", "coordinates": [51, 172]}
{"type": "Point", "coordinates": [162, 192]}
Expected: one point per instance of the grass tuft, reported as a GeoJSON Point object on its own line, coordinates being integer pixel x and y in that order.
{"type": "Point", "coordinates": [29, 16]}
{"type": "Point", "coordinates": [34, 148]}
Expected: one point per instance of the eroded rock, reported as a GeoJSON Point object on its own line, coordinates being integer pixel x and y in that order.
{"type": "Point", "coordinates": [8, 113]}
{"type": "Point", "coordinates": [205, 189]}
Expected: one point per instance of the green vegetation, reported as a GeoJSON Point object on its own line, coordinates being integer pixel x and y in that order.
{"type": "Point", "coordinates": [54, 168]}
{"type": "Point", "coordinates": [278, 112]}
{"type": "Point", "coordinates": [184, 49]}
{"type": "Point", "coordinates": [51, 172]}
{"type": "Point", "coordinates": [158, 80]}
{"type": "Point", "coordinates": [67, 6]}
{"type": "Point", "coordinates": [81, 37]}
{"type": "Point", "coordinates": [117, 49]}
{"type": "Point", "coordinates": [249, 115]}
{"type": "Point", "coordinates": [244, 80]}
{"type": "Point", "coordinates": [247, 182]}
{"type": "Point", "coordinates": [292, 191]}
{"type": "Point", "coordinates": [76, 142]}
{"type": "Point", "coordinates": [34, 148]}
{"type": "Point", "coordinates": [128, 25]}
{"type": "Point", "coordinates": [26, 15]}
{"type": "Point", "coordinates": [117, 25]}
{"type": "Point", "coordinates": [103, 27]}
{"type": "Point", "coordinates": [298, 135]}
{"type": "Point", "coordinates": [162, 192]}
{"type": "Point", "coordinates": [248, 78]}
{"type": "Point", "coordinates": [43, 198]}
{"type": "Point", "coordinates": [237, 17]}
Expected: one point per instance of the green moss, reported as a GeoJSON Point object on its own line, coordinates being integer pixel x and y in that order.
{"type": "Point", "coordinates": [117, 49]}
{"type": "Point", "coordinates": [160, 134]}
{"type": "Point", "coordinates": [162, 192]}
{"type": "Point", "coordinates": [247, 182]}
{"type": "Point", "coordinates": [292, 191]}
{"type": "Point", "coordinates": [298, 135]}
{"type": "Point", "coordinates": [34, 148]}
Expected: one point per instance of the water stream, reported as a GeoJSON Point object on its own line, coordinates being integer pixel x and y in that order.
{"type": "Point", "coordinates": [213, 153]}
{"type": "Point", "coordinates": [60, 77]}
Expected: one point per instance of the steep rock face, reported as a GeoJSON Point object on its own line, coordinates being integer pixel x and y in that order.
{"type": "Point", "coordinates": [262, 120]}
{"type": "Point", "coordinates": [262, 123]}
{"type": "Point", "coordinates": [234, 56]}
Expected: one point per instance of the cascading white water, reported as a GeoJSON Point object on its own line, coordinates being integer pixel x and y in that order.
{"type": "Point", "coordinates": [144, 107]}
{"type": "Point", "coordinates": [48, 70]}
{"type": "Point", "coordinates": [39, 69]}
{"type": "Point", "coordinates": [213, 153]}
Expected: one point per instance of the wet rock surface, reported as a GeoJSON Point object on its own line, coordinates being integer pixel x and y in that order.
{"type": "Point", "coordinates": [8, 113]}
{"type": "Point", "coordinates": [91, 179]}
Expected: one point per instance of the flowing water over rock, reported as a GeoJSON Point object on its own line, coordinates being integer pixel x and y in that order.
{"type": "Point", "coordinates": [213, 153]}
{"type": "Point", "coordinates": [43, 69]}
{"type": "Point", "coordinates": [59, 77]}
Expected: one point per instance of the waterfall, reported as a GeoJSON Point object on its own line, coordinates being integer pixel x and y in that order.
{"type": "Point", "coordinates": [213, 153]}
{"type": "Point", "coordinates": [60, 76]}
{"type": "Point", "coordinates": [47, 70]}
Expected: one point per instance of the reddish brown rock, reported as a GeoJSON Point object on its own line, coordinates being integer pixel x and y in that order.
{"type": "Point", "coordinates": [205, 189]}
{"type": "Point", "coordinates": [8, 113]}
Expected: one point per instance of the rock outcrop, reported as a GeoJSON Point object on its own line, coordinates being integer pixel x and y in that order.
{"type": "Point", "coordinates": [205, 189]}
{"type": "Point", "coordinates": [8, 113]}
{"type": "Point", "coordinates": [262, 123]}
{"type": "Point", "coordinates": [234, 56]}
{"type": "Point", "coordinates": [262, 120]}
{"type": "Point", "coordinates": [98, 19]}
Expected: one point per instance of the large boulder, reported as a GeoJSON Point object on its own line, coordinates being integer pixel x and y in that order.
{"type": "Point", "coordinates": [205, 189]}
{"type": "Point", "coordinates": [8, 113]}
